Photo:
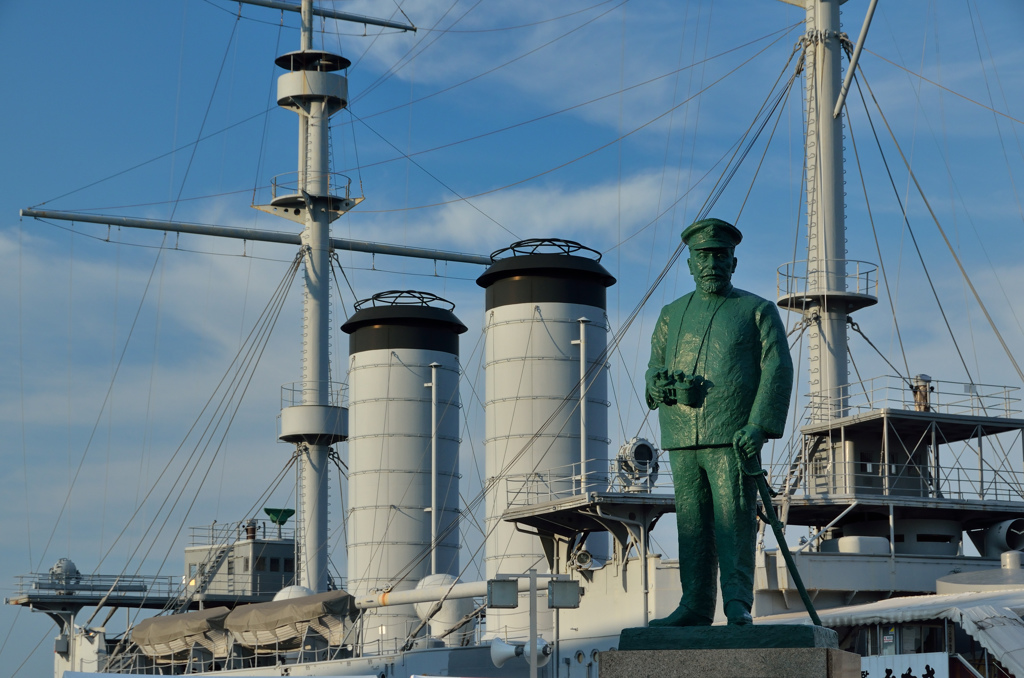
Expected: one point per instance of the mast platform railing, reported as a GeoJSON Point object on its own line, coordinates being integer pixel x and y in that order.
{"type": "Point", "coordinates": [300, 393]}
{"type": "Point", "coordinates": [291, 183]}
{"type": "Point", "coordinates": [801, 278]}
{"type": "Point", "coordinates": [943, 397]}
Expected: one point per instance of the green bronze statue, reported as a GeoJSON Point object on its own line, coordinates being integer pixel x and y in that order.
{"type": "Point", "coordinates": [720, 376]}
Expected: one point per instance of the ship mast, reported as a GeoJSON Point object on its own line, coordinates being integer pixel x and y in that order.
{"type": "Point", "coordinates": [826, 228]}
{"type": "Point", "coordinates": [313, 418]}
{"type": "Point", "coordinates": [823, 288]}
{"type": "Point", "coordinates": [314, 109]}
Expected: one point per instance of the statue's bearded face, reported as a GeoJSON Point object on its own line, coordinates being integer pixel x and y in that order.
{"type": "Point", "coordinates": [712, 268]}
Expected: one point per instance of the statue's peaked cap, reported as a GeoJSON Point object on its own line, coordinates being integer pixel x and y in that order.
{"type": "Point", "coordinates": [708, 233]}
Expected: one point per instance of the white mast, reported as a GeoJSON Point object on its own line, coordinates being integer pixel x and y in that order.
{"type": "Point", "coordinates": [822, 289]}
{"type": "Point", "coordinates": [313, 154]}
{"type": "Point", "coordinates": [826, 229]}
{"type": "Point", "coordinates": [312, 418]}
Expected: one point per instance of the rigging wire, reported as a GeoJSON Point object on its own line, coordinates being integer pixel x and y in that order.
{"type": "Point", "coordinates": [592, 151]}
{"type": "Point", "coordinates": [991, 61]}
{"type": "Point", "coordinates": [782, 96]}
{"type": "Point", "coordinates": [734, 163]}
{"type": "Point", "coordinates": [945, 238]}
{"type": "Point", "coordinates": [71, 288]}
{"type": "Point", "coordinates": [526, 54]}
{"type": "Point", "coordinates": [110, 410]}
{"type": "Point", "coordinates": [612, 345]}
{"type": "Point", "coordinates": [182, 601]}
{"type": "Point", "coordinates": [30, 653]}
{"type": "Point", "coordinates": [518, 26]}
{"type": "Point", "coordinates": [106, 397]}
{"type": "Point", "coordinates": [240, 382]}
{"type": "Point", "coordinates": [359, 166]}
{"type": "Point", "coordinates": [268, 317]}
{"type": "Point", "coordinates": [856, 328]}
{"type": "Point", "coordinates": [460, 197]}
{"type": "Point", "coordinates": [878, 245]}
{"type": "Point", "coordinates": [420, 29]}
{"type": "Point", "coordinates": [266, 120]}
{"type": "Point", "coordinates": [393, 70]}
{"type": "Point", "coordinates": [206, 115]}
{"type": "Point", "coordinates": [984, 250]}
{"type": "Point", "coordinates": [732, 149]}
{"type": "Point", "coordinates": [21, 389]}
{"type": "Point", "coordinates": [661, 191]}
{"type": "Point", "coordinates": [944, 88]}
{"type": "Point", "coordinates": [335, 266]}
{"type": "Point", "coordinates": [906, 220]}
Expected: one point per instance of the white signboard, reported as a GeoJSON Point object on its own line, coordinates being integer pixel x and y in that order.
{"type": "Point", "coordinates": [923, 665]}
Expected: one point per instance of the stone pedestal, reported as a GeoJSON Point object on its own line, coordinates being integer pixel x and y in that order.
{"type": "Point", "coordinates": [804, 662]}
{"type": "Point", "coordinates": [756, 651]}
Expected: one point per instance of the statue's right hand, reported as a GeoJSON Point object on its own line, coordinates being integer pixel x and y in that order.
{"type": "Point", "coordinates": [661, 387]}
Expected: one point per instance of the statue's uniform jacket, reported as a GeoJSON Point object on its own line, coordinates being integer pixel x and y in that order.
{"type": "Point", "coordinates": [738, 345]}
{"type": "Point", "coordinates": [736, 342]}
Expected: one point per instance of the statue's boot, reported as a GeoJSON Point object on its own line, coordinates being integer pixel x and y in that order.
{"type": "Point", "coordinates": [738, 613]}
{"type": "Point", "coordinates": [683, 616]}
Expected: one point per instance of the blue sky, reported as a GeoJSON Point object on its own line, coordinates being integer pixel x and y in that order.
{"type": "Point", "coordinates": [556, 118]}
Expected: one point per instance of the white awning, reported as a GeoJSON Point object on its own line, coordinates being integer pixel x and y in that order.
{"type": "Point", "coordinates": [991, 618]}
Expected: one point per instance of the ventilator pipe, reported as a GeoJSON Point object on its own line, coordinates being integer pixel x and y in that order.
{"type": "Point", "coordinates": [473, 589]}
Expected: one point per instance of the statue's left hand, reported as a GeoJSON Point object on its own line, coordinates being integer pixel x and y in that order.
{"type": "Point", "coordinates": [749, 439]}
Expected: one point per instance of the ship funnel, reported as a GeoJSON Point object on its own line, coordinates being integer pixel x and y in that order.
{"type": "Point", "coordinates": [403, 450]}
{"type": "Point", "coordinates": [545, 335]}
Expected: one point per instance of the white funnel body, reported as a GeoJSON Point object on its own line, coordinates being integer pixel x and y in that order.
{"type": "Point", "coordinates": [535, 304]}
{"type": "Point", "coordinates": [392, 487]}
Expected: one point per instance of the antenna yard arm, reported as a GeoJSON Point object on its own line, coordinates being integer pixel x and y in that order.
{"type": "Point", "coordinates": [256, 235]}
{"type": "Point", "coordinates": [331, 14]}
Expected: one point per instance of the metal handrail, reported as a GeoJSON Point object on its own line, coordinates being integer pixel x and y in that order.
{"type": "Point", "coordinates": [944, 397]}
{"type": "Point", "coordinates": [293, 394]}
{"type": "Point", "coordinates": [287, 183]}
{"type": "Point", "coordinates": [830, 275]}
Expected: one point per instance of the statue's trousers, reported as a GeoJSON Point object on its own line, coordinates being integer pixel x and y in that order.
{"type": "Point", "coordinates": [716, 514]}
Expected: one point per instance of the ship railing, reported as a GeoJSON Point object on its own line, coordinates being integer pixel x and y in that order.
{"type": "Point", "coordinates": [800, 278]}
{"type": "Point", "coordinates": [294, 183]}
{"type": "Point", "coordinates": [228, 533]}
{"type": "Point", "coordinates": [952, 482]}
{"type": "Point", "coordinates": [916, 394]}
{"type": "Point", "coordinates": [118, 586]}
{"type": "Point", "coordinates": [238, 656]}
{"type": "Point", "coordinates": [783, 457]}
{"type": "Point", "coordinates": [201, 660]}
{"type": "Point", "coordinates": [563, 482]}
{"type": "Point", "coordinates": [301, 393]}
